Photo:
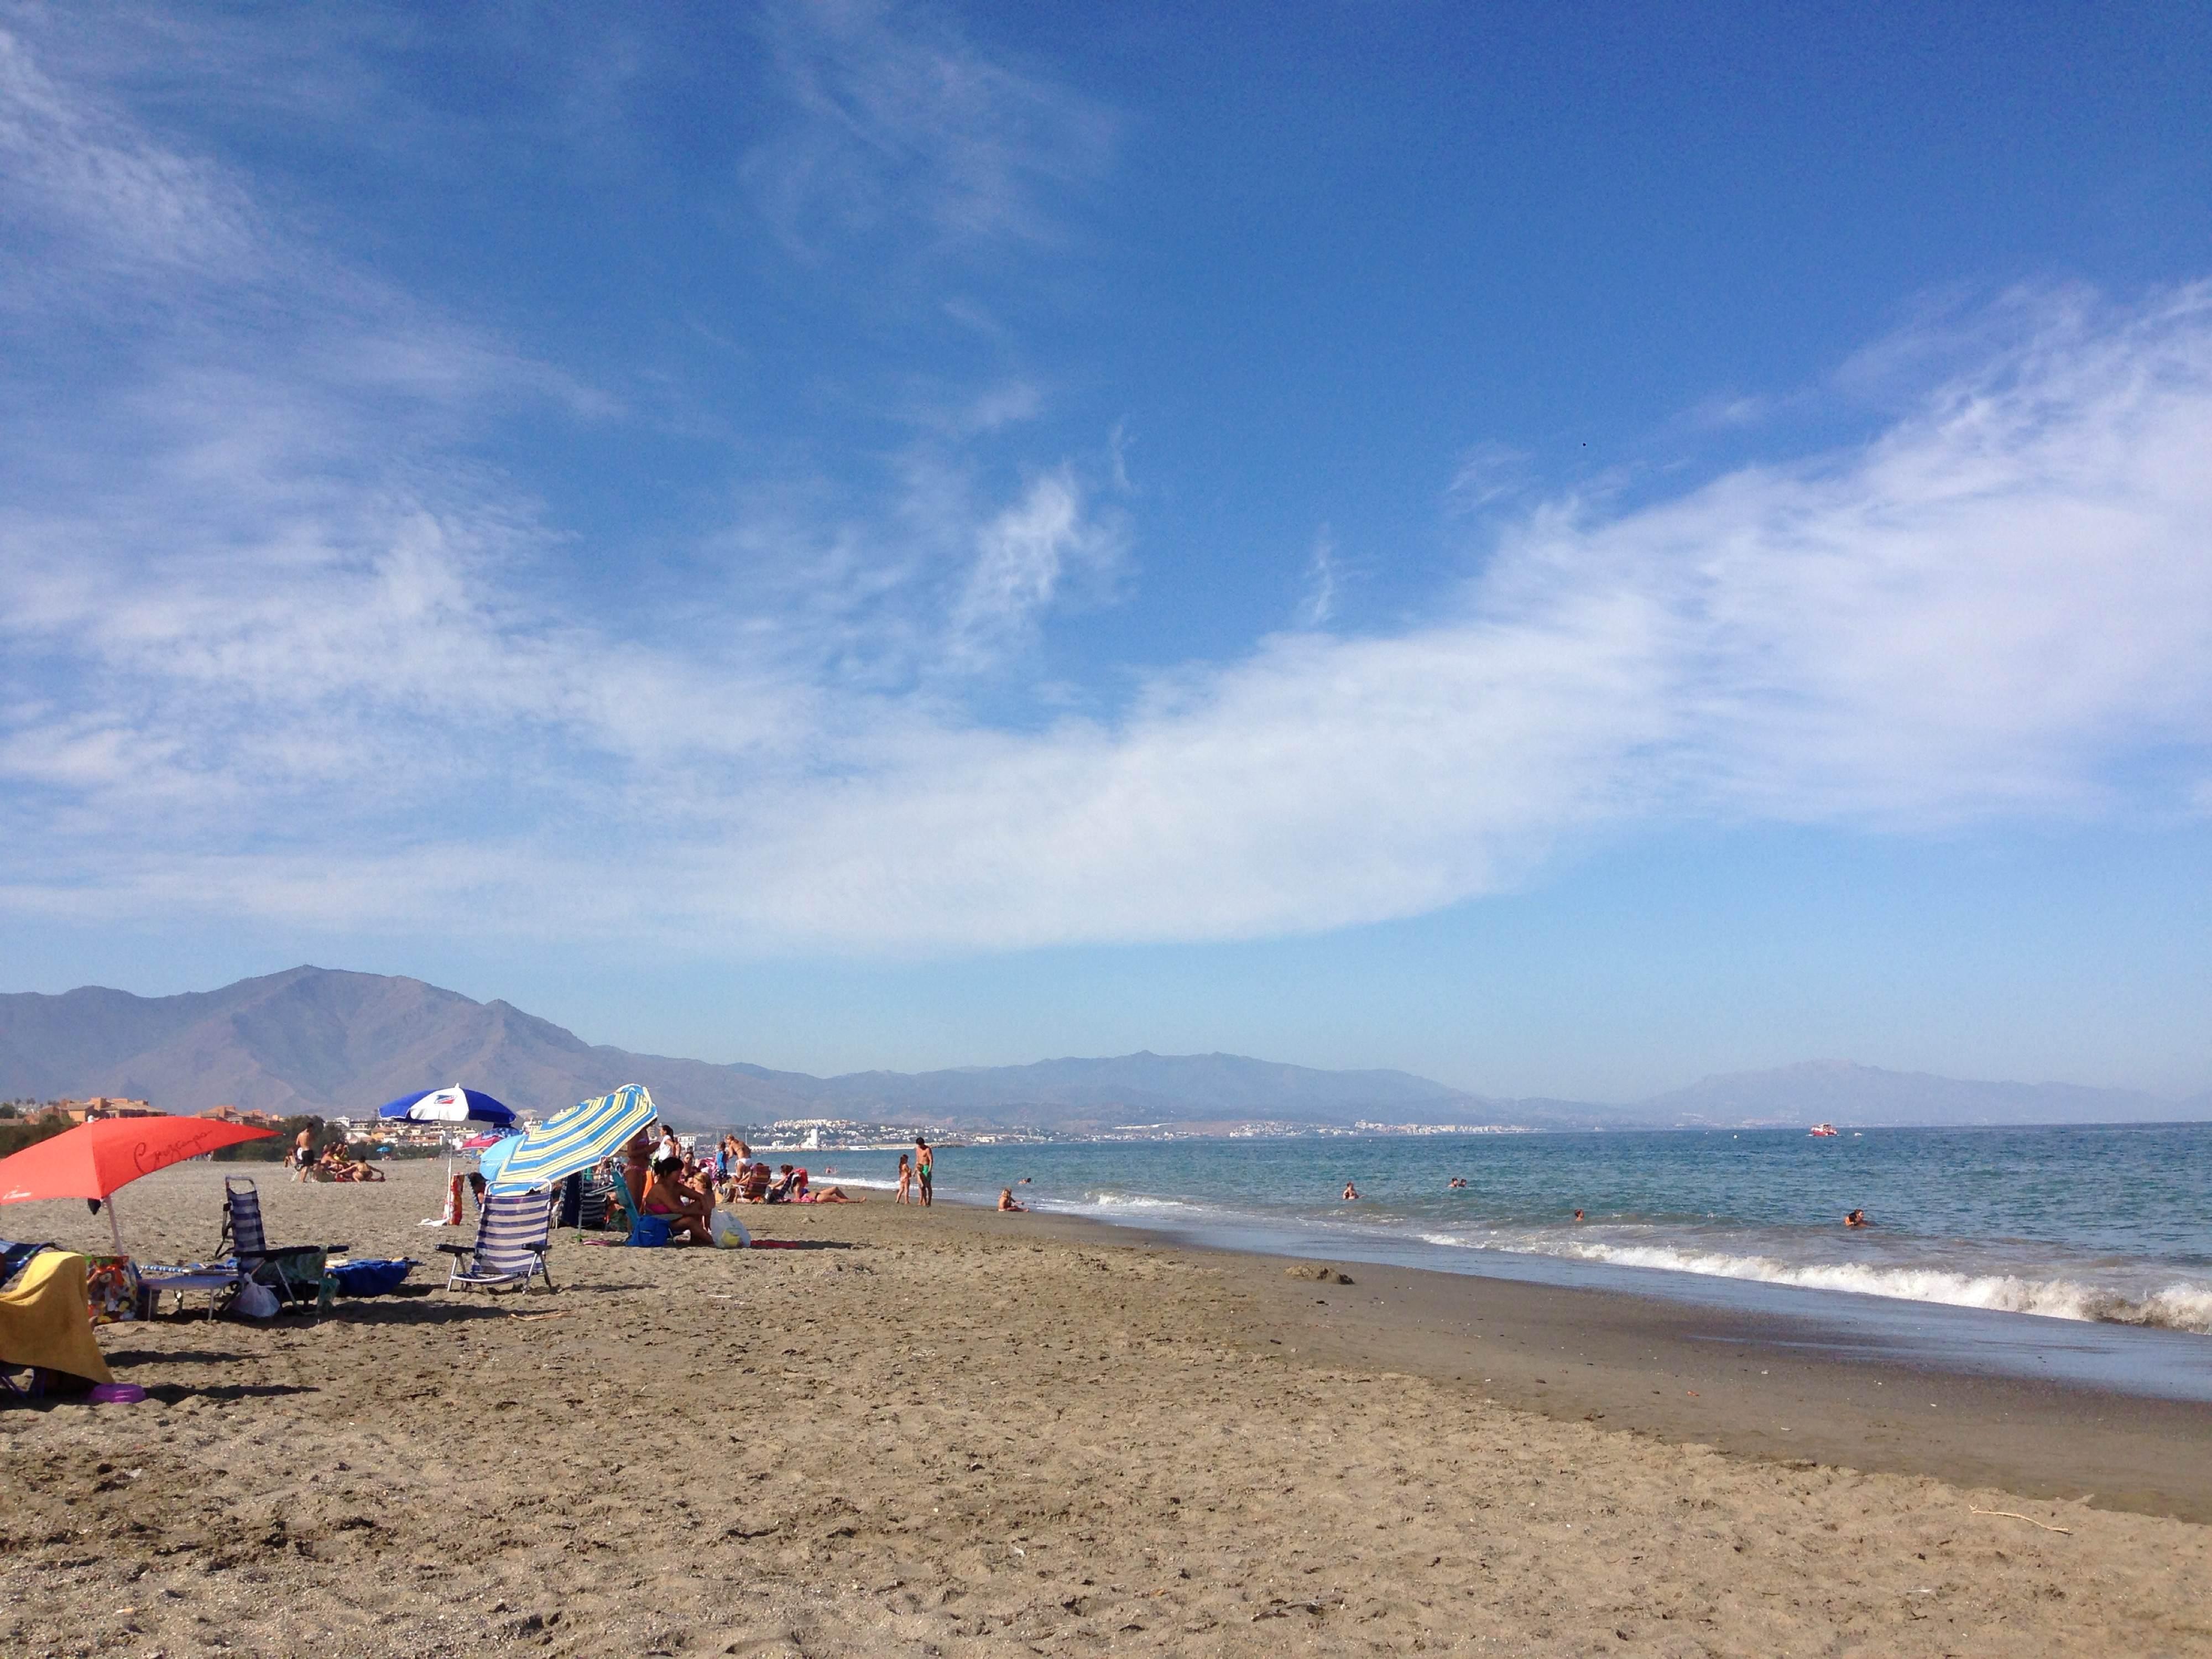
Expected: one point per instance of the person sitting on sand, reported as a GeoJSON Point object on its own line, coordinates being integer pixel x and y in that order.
{"type": "Point", "coordinates": [1856, 1218]}
{"type": "Point", "coordinates": [1351, 1192]}
{"type": "Point", "coordinates": [667, 1196]}
{"type": "Point", "coordinates": [1006, 1202]}
{"type": "Point", "coordinates": [789, 1185]}
{"type": "Point", "coordinates": [752, 1185]}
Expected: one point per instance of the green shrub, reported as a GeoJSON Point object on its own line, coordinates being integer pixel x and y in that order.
{"type": "Point", "coordinates": [272, 1149]}
{"type": "Point", "coordinates": [14, 1137]}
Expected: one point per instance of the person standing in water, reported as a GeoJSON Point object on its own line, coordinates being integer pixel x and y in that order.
{"type": "Point", "coordinates": [1351, 1192]}
{"type": "Point", "coordinates": [923, 1171]}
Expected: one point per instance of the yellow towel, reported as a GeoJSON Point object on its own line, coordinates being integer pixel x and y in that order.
{"type": "Point", "coordinates": [43, 1319]}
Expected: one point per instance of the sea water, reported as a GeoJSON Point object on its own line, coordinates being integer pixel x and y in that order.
{"type": "Point", "coordinates": [2107, 1224]}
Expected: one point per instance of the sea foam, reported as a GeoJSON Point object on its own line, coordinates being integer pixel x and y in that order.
{"type": "Point", "coordinates": [2182, 1306]}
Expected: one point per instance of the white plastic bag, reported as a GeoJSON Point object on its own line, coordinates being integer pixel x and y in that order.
{"type": "Point", "coordinates": [727, 1231]}
{"type": "Point", "coordinates": [256, 1300]}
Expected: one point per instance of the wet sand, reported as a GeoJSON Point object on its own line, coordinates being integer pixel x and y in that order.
{"type": "Point", "coordinates": [952, 1430]}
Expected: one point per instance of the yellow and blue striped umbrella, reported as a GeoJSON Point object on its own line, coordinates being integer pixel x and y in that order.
{"type": "Point", "coordinates": [572, 1140]}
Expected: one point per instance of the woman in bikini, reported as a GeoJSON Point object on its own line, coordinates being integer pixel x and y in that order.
{"type": "Point", "coordinates": [668, 1196]}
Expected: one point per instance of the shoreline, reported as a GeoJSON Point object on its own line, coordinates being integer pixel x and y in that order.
{"type": "Point", "coordinates": [1042, 1433]}
{"type": "Point", "coordinates": [1676, 1226]}
{"type": "Point", "coordinates": [1780, 1389]}
{"type": "Point", "coordinates": [2121, 1357]}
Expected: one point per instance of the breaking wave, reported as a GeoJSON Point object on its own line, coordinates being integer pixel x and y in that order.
{"type": "Point", "coordinates": [2182, 1306]}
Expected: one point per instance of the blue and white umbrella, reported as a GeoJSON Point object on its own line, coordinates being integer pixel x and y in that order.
{"type": "Point", "coordinates": [491, 1159]}
{"type": "Point", "coordinates": [453, 1105]}
{"type": "Point", "coordinates": [571, 1140]}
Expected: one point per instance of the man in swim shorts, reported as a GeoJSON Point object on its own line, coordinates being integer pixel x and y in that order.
{"type": "Point", "coordinates": [923, 1171]}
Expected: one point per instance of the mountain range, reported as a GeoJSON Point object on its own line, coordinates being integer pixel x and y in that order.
{"type": "Point", "coordinates": [333, 1043]}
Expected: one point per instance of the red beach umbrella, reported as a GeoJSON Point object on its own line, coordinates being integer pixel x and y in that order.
{"type": "Point", "coordinates": [94, 1159]}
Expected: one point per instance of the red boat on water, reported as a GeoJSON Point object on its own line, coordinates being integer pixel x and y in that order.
{"type": "Point", "coordinates": [1824, 1131]}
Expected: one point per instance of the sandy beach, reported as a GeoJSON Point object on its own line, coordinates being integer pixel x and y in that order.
{"type": "Point", "coordinates": [953, 1429]}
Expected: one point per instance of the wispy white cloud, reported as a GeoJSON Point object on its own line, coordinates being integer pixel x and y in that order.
{"type": "Point", "coordinates": [1319, 603]}
{"type": "Point", "coordinates": [271, 648]}
{"type": "Point", "coordinates": [1999, 609]}
{"type": "Point", "coordinates": [898, 122]}
{"type": "Point", "coordinates": [1489, 473]}
{"type": "Point", "coordinates": [1024, 558]}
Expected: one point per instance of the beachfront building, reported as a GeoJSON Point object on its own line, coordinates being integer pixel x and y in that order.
{"type": "Point", "coordinates": [83, 1111]}
{"type": "Point", "coordinates": [250, 1116]}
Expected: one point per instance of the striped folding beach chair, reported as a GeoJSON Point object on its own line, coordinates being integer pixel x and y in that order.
{"type": "Point", "coordinates": [294, 1272]}
{"type": "Point", "coordinates": [513, 1233]}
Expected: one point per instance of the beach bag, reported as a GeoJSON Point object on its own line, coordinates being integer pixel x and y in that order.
{"type": "Point", "coordinates": [256, 1300]}
{"type": "Point", "coordinates": [110, 1289]}
{"type": "Point", "coordinates": [651, 1231]}
{"type": "Point", "coordinates": [727, 1231]}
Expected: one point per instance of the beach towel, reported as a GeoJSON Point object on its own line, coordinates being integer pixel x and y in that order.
{"type": "Point", "coordinates": [451, 1215]}
{"type": "Point", "coordinates": [43, 1321]}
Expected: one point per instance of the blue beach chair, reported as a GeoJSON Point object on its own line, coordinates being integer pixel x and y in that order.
{"type": "Point", "coordinates": [647, 1231]}
{"type": "Point", "coordinates": [14, 1256]}
{"type": "Point", "coordinates": [513, 1233]}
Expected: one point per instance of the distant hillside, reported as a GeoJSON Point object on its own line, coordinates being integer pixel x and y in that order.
{"type": "Point", "coordinates": [315, 1040]}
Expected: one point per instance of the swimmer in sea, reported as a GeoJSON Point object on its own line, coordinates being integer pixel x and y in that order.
{"type": "Point", "coordinates": [1456, 1182]}
{"type": "Point", "coordinates": [1858, 1218]}
{"type": "Point", "coordinates": [1351, 1192]}
{"type": "Point", "coordinates": [1578, 1215]}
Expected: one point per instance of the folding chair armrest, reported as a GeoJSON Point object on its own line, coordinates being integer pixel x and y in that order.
{"type": "Point", "coordinates": [454, 1249]}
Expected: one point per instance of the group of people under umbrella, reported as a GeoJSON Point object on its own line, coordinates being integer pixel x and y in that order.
{"type": "Point", "coordinates": [45, 1315]}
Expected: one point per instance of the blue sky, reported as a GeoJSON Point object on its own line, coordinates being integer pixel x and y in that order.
{"type": "Point", "coordinates": [1558, 549]}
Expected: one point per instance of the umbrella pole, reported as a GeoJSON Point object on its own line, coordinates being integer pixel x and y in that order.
{"type": "Point", "coordinates": [115, 1227]}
